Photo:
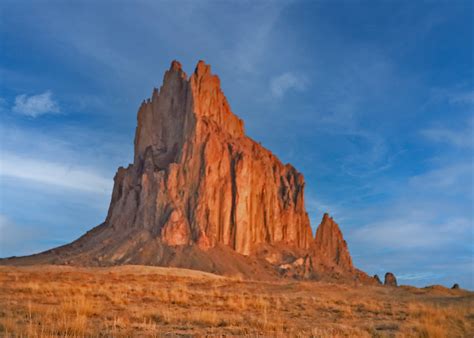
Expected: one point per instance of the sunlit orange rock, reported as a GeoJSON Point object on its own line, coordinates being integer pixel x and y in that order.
{"type": "Point", "coordinates": [196, 177]}
{"type": "Point", "coordinates": [330, 248]}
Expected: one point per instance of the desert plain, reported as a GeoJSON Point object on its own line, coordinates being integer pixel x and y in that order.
{"type": "Point", "coordinates": [48, 300]}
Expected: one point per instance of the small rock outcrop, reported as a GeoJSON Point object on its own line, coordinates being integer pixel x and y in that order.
{"type": "Point", "coordinates": [300, 268]}
{"type": "Point", "coordinates": [390, 279]}
{"type": "Point", "coordinates": [377, 279]}
{"type": "Point", "coordinates": [455, 286]}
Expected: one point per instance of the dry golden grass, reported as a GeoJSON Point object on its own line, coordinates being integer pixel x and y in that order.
{"type": "Point", "coordinates": [49, 301]}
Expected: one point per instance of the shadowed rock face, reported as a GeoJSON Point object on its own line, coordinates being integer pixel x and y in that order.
{"type": "Point", "coordinates": [202, 195]}
{"type": "Point", "coordinates": [196, 177]}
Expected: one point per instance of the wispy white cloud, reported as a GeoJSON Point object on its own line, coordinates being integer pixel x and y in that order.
{"type": "Point", "coordinates": [421, 214]}
{"type": "Point", "coordinates": [369, 156]}
{"type": "Point", "coordinates": [409, 233]}
{"type": "Point", "coordinates": [463, 137]}
{"type": "Point", "coordinates": [75, 146]}
{"type": "Point", "coordinates": [253, 39]}
{"type": "Point", "coordinates": [450, 178]}
{"type": "Point", "coordinates": [418, 276]}
{"type": "Point", "coordinates": [54, 173]}
{"type": "Point", "coordinates": [458, 96]}
{"type": "Point", "coordinates": [466, 97]}
{"type": "Point", "coordinates": [281, 84]}
{"type": "Point", "coordinates": [36, 105]}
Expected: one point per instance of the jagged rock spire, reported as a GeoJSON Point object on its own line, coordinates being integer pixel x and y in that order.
{"type": "Point", "coordinates": [197, 178]}
{"type": "Point", "coordinates": [330, 246]}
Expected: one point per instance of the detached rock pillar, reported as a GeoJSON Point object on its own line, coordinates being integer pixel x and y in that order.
{"type": "Point", "coordinates": [390, 279]}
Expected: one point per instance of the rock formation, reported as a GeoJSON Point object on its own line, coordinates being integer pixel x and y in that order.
{"type": "Point", "coordinates": [330, 248]}
{"type": "Point", "coordinates": [390, 279]}
{"type": "Point", "coordinates": [455, 286]}
{"type": "Point", "coordinates": [196, 178]}
{"type": "Point", "coordinates": [377, 279]}
{"type": "Point", "coordinates": [201, 194]}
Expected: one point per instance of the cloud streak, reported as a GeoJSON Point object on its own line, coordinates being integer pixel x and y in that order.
{"type": "Point", "coordinates": [54, 173]}
{"type": "Point", "coordinates": [418, 276]}
{"type": "Point", "coordinates": [463, 97]}
{"type": "Point", "coordinates": [407, 233]}
{"type": "Point", "coordinates": [285, 82]}
{"type": "Point", "coordinates": [448, 179]}
{"type": "Point", "coordinates": [36, 105]}
{"type": "Point", "coordinates": [463, 137]}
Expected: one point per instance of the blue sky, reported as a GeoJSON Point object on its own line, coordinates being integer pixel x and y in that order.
{"type": "Point", "coordinates": [372, 101]}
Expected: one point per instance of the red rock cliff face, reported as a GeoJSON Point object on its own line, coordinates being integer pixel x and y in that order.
{"type": "Point", "coordinates": [196, 177]}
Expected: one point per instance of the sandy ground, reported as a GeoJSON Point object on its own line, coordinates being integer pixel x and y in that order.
{"type": "Point", "coordinates": [153, 301]}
